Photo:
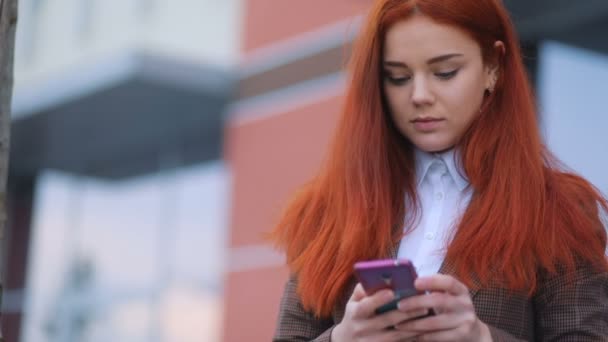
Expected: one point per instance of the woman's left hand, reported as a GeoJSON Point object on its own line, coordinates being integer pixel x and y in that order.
{"type": "Point", "coordinates": [455, 318]}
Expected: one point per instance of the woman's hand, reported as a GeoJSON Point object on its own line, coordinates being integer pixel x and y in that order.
{"type": "Point", "coordinates": [360, 322]}
{"type": "Point", "coordinates": [455, 318]}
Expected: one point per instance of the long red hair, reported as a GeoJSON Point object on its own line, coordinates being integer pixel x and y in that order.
{"type": "Point", "coordinates": [527, 214]}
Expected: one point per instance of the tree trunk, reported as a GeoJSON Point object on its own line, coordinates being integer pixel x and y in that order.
{"type": "Point", "coordinates": [8, 23]}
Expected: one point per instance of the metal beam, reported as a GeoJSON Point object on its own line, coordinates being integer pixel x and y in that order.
{"type": "Point", "coordinates": [540, 18]}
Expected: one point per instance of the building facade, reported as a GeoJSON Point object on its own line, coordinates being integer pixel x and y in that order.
{"type": "Point", "coordinates": [116, 143]}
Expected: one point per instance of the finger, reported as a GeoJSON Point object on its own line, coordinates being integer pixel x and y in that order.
{"type": "Point", "coordinates": [440, 302]}
{"type": "Point", "coordinates": [435, 300]}
{"type": "Point", "coordinates": [414, 314]}
{"type": "Point", "coordinates": [434, 323]}
{"type": "Point", "coordinates": [441, 282]}
{"type": "Point", "coordinates": [395, 335]}
{"type": "Point", "coordinates": [392, 318]}
{"type": "Point", "coordinates": [367, 305]}
{"type": "Point", "coordinates": [358, 293]}
{"type": "Point", "coordinates": [444, 335]}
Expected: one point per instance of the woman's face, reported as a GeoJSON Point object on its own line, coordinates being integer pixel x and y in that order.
{"type": "Point", "coordinates": [434, 81]}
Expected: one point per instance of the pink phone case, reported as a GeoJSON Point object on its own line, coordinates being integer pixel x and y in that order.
{"type": "Point", "coordinates": [395, 274]}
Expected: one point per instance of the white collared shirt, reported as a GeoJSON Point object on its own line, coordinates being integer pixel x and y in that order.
{"type": "Point", "coordinates": [443, 195]}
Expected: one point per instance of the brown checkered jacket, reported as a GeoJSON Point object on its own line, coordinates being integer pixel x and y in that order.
{"type": "Point", "coordinates": [577, 311]}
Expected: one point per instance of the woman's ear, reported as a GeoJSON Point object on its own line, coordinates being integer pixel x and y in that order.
{"type": "Point", "coordinates": [499, 47]}
{"type": "Point", "coordinates": [494, 69]}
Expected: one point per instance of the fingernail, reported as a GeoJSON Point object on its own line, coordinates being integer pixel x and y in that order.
{"type": "Point", "coordinates": [400, 305]}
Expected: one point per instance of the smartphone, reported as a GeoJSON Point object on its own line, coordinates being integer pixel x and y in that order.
{"type": "Point", "coordinates": [395, 274]}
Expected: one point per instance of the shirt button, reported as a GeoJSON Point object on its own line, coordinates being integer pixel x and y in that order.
{"type": "Point", "coordinates": [439, 196]}
{"type": "Point", "coordinates": [429, 236]}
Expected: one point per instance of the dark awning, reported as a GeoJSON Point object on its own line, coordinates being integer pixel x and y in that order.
{"type": "Point", "coordinates": [121, 117]}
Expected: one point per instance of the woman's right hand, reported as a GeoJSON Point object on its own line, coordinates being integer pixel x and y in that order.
{"type": "Point", "coordinates": [360, 322]}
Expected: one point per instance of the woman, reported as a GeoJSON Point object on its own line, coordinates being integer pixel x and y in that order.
{"type": "Point", "coordinates": [438, 159]}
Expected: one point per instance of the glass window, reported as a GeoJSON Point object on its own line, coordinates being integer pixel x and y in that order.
{"type": "Point", "coordinates": [133, 260]}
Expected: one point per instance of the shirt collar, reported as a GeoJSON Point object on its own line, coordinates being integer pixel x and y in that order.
{"type": "Point", "coordinates": [451, 160]}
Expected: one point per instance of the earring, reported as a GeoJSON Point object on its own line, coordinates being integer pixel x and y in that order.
{"type": "Point", "coordinates": [493, 86]}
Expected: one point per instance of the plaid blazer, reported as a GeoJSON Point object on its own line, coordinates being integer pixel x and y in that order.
{"type": "Point", "coordinates": [561, 310]}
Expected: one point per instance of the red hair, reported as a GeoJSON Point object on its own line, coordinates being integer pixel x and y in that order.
{"type": "Point", "coordinates": [526, 214]}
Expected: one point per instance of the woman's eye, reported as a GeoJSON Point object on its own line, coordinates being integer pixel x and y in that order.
{"type": "Point", "coordinates": [446, 75]}
{"type": "Point", "coordinates": [397, 80]}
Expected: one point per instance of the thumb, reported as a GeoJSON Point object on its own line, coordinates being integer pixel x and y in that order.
{"type": "Point", "coordinates": [358, 293]}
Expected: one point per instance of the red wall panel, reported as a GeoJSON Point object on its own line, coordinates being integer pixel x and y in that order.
{"type": "Point", "coordinates": [268, 21]}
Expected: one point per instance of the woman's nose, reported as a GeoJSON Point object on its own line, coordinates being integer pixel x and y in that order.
{"type": "Point", "coordinates": [421, 93]}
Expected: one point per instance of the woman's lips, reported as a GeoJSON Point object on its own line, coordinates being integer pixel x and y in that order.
{"type": "Point", "coordinates": [426, 125]}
